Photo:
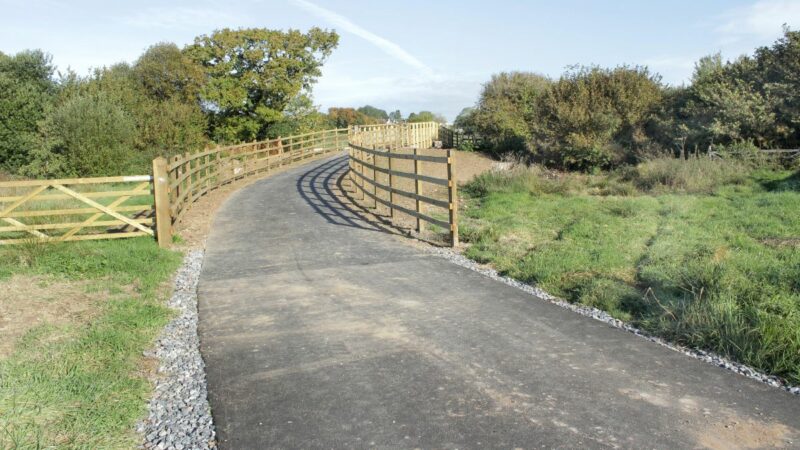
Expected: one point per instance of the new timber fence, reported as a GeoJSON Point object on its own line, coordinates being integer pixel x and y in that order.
{"type": "Point", "coordinates": [151, 205]}
{"type": "Point", "coordinates": [75, 209]}
{"type": "Point", "coordinates": [387, 151]}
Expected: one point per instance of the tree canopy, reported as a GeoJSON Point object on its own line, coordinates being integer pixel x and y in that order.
{"type": "Point", "coordinates": [253, 73]}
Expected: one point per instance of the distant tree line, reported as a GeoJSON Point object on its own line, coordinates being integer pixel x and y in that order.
{"type": "Point", "coordinates": [226, 87]}
{"type": "Point", "coordinates": [593, 117]}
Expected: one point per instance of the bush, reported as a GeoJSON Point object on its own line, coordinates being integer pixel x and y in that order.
{"type": "Point", "coordinates": [88, 135]}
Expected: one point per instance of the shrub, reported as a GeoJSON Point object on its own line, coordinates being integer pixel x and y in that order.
{"type": "Point", "coordinates": [88, 135]}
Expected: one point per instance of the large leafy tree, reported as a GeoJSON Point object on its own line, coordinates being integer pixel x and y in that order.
{"type": "Point", "coordinates": [164, 73]}
{"type": "Point", "coordinates": [253, 74]}
{"type": "Point", "coordinates": [344, 117]}
{"type": "Point", "coordinates": [375, 113]}
{"type": "Point", "coordinates": [26, 90]}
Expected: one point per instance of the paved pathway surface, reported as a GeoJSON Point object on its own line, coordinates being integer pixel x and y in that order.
{"type": "Point", "coordinates": [319, 330]}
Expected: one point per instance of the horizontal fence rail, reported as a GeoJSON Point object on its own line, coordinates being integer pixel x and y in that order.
{"type": "Point", "coordinates": [379, 151]}
{"type": "Point", "coordinates": [75, 209]}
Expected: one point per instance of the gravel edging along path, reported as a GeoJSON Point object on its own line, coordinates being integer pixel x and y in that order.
{"type": "Point", "coordinates": [179, 413]}
{"type": "Point", "coordinates": [457, 258]}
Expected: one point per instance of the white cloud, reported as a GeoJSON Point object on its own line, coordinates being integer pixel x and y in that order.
{"type": "Point", "coordinates": [172, 18]}
{"type": "Point", "coordinates": [763, 20]}
{"type": "Point", "coordinates": [389, 47]}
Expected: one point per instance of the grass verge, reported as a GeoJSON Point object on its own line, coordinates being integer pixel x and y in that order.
{"type": "Point", "coordinates": [704, 253]}
{"type": "Point", "coordinates": [84, 384]}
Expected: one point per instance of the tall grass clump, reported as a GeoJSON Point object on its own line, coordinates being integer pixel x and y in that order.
{"type": "Point", "coordinates": [693, 176]}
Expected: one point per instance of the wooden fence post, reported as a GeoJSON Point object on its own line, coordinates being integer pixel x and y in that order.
{"type": "Point", "coordinates": [452, 196]}
{"type": "Point", "coordinates": [418, 190]}
{"type": "Point", "coordinates": [391, 194]}
{"type": "Point", "coordinates": [374, 180]}
{"type": "Point", "coordinates": [161, 196]}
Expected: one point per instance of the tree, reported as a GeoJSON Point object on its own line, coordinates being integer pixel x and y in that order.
{"type": "Point", "coordinates": [26, 91]}
{"type": "Point", "coordinates": [465, 120]}
{"type": "Point", "coordinates": [345, 117]}
{"type": "Point", "coordinates": [375, 113]}
{"type": "Point", "coordinates": [300, 116]}
{"type": "Point", "coordinates": [425, 116]}
{"type": "Point", "coordinates": [252, 75]}
{"type": "Point", "coordinates": [396, 116]}
{"type": "Point", "coordinates": [165, 73]}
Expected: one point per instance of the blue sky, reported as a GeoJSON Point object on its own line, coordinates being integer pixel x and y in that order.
{"type": "Point", "coordinates": [413, 55]}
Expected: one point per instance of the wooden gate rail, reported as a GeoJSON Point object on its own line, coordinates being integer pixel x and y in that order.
{"type": "Point", "coordinates": [43, 211]}
{"type": "Point", "coordinates": [366, 184]}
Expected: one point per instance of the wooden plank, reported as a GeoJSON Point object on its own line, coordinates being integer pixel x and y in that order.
{"type": "Point", "coordinates": [417, 157]}
{"type": "Point", "coordinates": [19, 226]}
{"type": "Point", "coordinates": [75, 181]}
{"type": "Point", "coordinates": [106, 210]}
{"type": "Point", "coordinates": [76, 211]}
{"type": "Point", "coordinates": [81, 237]}
{"type": "Point", "coordinates": [411, 195]}
{"type": "Point", "coordinates": [97, 216]}
{"type": "Point", "coordinates": [411, 212]}
{"type": "Point", "coordinates": [425, 178]}
{"type": "Point", "coordinates": [23, 199]}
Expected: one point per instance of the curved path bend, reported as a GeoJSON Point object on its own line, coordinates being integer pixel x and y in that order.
{"type": "Point", "coordinates": [321, 330]}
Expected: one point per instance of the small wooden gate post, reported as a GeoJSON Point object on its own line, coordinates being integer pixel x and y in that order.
{"type": "Point", "coordinates": [161, 197]}
{"type": "Point", "coordinates": [452, 199]}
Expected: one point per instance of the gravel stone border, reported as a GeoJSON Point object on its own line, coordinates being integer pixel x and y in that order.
{"type": "Point", "coordinates": [709, 357]}
{"type": "Point", "coordinates": [180, 417]}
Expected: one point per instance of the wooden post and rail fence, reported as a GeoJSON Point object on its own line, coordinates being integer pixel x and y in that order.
{"type": "Point", "coordinates": [150, 205]}
{"type": "Point", "coordinates": [382, 152]}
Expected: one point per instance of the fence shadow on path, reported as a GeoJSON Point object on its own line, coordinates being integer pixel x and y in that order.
{"type": "Point", "coordinates": [323, 188]}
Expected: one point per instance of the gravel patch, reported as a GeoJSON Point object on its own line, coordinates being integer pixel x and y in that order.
{"type": "Point", "coordinates": [180, 417]}
{"type": "Point", "coordinates": [709, 357]}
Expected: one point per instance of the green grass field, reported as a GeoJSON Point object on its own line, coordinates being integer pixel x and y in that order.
{"type": "Point", "coordinates": [704, 253]}
{"type": "Point", "coordinates": [84, 384]}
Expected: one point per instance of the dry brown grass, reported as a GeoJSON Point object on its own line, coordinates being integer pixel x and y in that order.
{"type": "Point", "coordinates": [32, 300]}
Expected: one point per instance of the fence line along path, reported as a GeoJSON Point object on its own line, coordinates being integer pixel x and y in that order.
{"type": "Point", "coordinates": [128, 206]}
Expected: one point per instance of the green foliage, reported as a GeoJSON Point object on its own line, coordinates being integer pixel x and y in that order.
{"type": "Point", "coordinates": [507, 113]}
{"type": "Point", "coordinates": [376, 113]}
{"type": "Point", "coordinates": [425, 116]}
{"type": "Point", "coordinates": [26, 90]}
{"type": "Point", "coordinates": [703, 252]}
{"type": "Point", "coordinates": [595, 117]}
{"type": "Point", "coordinates": [87, 135]}
{"type": "Point", "coordinates": [396, 116]}
{"type": "Point", "coordinates": [253, 74]}
{"type": "Point", "coordinates": [164, 73]}
{"type": "Point", "coordinates": [345, 117]}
